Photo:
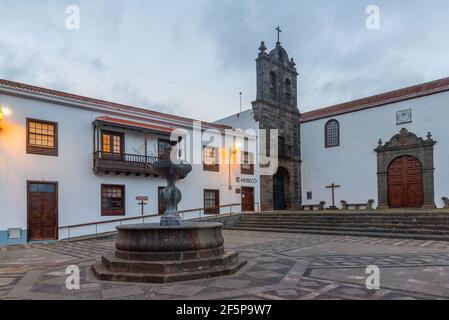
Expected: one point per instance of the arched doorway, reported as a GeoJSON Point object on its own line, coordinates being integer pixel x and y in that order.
{"type": "Point", "coordinates": [405, 183]}
{"type": "Point", "coordinates": [280, 180]}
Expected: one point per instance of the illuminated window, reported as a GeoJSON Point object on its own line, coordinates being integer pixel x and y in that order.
{"type": "Point", "coordinates": [210, 159]}
{"type": "Point", "coordinates": [247, 166]}
{"type": "Point", "coordinates": [42, 137]}
{"type": "Point", "coordinates": [332, 134]}
{"type": "Point", "coordinates": [112, 142]}
{"type": "Point", "coordinates": [112, 200]}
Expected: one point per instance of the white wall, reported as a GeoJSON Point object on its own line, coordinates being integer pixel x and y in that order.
{"type": "Point", "coordinates": [245, 121]}
{"type": "Point", "coordinates": [79, 187]}
{"type": "Point", "coordinates": [353, 164]}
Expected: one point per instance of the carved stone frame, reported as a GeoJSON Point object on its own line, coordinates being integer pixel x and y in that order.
{"type": "Point", "coordinates": [406, 143]}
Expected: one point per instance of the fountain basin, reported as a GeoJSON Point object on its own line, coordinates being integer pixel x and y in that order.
{"type": "Point", "coordinates": [160, 254]}
{"type": "Point", "coordinates": [155, 238]}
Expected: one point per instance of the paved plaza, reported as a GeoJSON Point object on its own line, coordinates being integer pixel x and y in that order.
{"type": "Point", "coordinates": [280, 266]}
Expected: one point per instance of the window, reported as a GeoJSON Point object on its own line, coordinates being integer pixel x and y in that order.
{"type": "Point", "coordinates": [112, 142]}
{"type": "Point", "coordinates": [112, 200]}
{"type": "Point", "coordinates": [211, 202]}
{"type": "Point", "coordinates": [273, 84]}
{"type": "Point", "coordinates": [160, 201]}
{"type": "Point", "coordinates": [247, 166]}
{"type": "Point", "coordinates": [210, 159]}
{"type": "Point", "coordinates": [42, 137]}
{"type": "Point", "coordinates": [288, 90]}
{"type": "Point", "coordinates": [332, 134]}
{"type": "Point", "coordinates": [164, 148]}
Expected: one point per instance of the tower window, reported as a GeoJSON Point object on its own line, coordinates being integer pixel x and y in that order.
{"type": "Point", "coordinates": [273, 84]}
{"type": "Point", "coordinates": [332, 134]}
{"type": "Point", "coordinates": [288, 89]}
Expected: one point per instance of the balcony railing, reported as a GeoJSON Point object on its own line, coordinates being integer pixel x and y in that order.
{"type": "Point", "coordinates": [123, 163]}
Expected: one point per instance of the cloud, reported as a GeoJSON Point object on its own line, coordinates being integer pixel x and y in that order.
{"type": "Point", "coordinates": [212, 44]}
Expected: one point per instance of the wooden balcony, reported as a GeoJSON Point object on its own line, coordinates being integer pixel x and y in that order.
{"type": "Point", "coordinates": [105, 162]}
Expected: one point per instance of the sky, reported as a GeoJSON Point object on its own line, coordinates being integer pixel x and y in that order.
{"type": "Point", "coordinates": [193, 57]}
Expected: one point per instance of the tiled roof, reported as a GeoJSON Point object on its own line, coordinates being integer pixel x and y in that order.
{"type": "Point", "coordinates": [134, 124]}
{"type": "Point", "coordinates": [100, 103]}
{"type": "Point", "coordinates": [412, 92]}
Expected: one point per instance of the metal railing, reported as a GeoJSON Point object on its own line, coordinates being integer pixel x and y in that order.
{"type": "Point", "coordinates": [201, 216]}
{"type": "Point", "coordinates": [127, 157]}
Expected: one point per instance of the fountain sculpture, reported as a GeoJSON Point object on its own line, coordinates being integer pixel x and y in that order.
{"type": "Point", "coordinates": [172, 250]}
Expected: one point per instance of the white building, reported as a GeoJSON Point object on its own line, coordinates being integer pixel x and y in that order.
{"type": "Point", "coordinates": [389, 150]}
{"type": "Point", "coordinates": [407, 167]}
{"type": "Point", "coordinates": [68, 160]}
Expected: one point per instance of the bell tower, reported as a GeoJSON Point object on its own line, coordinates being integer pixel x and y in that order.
{"type": "Point", "coordinates": [275, 107]}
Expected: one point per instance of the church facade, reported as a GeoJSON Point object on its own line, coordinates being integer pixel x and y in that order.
{"type": "Point", "coordinates": [385, 151]}
{"type": "Point", "coordinates": [391, 148]}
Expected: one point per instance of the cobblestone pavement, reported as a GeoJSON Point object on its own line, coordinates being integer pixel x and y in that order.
{"type": "Point", "coordinates": [280, 266]}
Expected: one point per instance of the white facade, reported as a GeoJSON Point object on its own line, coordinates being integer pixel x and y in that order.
{"type": "Point", "coordinates": [353, 164]}
{"type": "Point", "coordinates": [79, 198]}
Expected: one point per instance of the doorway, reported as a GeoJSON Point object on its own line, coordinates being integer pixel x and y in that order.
{"type": "Point", "coordinates": [405, 183]}
{"type": "Point", "coordinates": [42, 214]}
{"type": "Point", "coordinates": [247, 199]}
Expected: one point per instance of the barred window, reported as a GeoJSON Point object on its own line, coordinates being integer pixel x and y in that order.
{"type": "Point", "coordinates": [211, 202]}
{"type": "Point", "coordinates": [210, 159]}
{"type": "Point", "coordinates": [42, 137]}
{"type": "Point", "coordinates": [332, 134]}
{"type": "Point", "coordinates": [112, 200]}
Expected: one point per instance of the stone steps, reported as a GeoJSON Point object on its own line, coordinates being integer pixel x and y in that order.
{"type": "Point", "coordinates": [421, 225]}
{"type": "Point", "coordinates": [104, 274]}
{"type": "Point", "coordinates": [380, 229]}
{"type": "Point", "coordinates": [115, 264]}
{"type": "Point", "coordinates": [350, 233]}
{"type": "Point", "coordinates": [411, 227]}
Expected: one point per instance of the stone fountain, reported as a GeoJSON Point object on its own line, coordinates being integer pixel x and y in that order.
{"type": "Point", "coordinates": [172, 250]}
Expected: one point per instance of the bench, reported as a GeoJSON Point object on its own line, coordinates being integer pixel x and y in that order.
{"type": "Point", "coordinates": [312, 207]}
{"type": "Point", "coordinates": [348, 206]}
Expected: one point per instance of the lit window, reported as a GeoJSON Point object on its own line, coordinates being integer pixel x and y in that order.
{"type": "Point", "coordinates": [332, 134]}
{"type": "Point", "coordinates": [112, 142]}
{"type": "Point", "coordinates": [42, 137]}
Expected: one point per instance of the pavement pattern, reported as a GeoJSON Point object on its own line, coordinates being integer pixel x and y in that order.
{"type": "Point", "coordinates": [280, 266]}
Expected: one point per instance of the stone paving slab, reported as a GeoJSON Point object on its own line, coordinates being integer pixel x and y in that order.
{"type": "Point", "coordinates": [281, 266]}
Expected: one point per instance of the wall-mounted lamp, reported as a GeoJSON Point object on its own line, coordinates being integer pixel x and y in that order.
{"type": "Point", "coordinates": [3, 112]}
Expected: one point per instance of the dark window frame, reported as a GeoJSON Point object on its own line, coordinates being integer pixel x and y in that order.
{"type": "Point", "coordinates": [109, 211]}
{"type": "Point", "coordinates": [216, 208]}
{"type": "Point", "coordinates": [214, 167]}
{"type": "Point", "coordinates": [162, 154]}
{"type": "Point", "coordinates": [243, 169]}
{"type": "Point", "coordinates": [327, 133]}
{"type": "Point", "coordinates": [160, 202]}
{"type": "Point", "coordinates": [41, 150]}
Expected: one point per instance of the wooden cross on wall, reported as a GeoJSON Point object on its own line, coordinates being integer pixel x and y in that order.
{"type": "Point", "coordinates": [333, 186]}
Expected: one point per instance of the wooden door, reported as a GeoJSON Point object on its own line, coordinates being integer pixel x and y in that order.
{"type": "Point", "coordinates": [405, 183]}
{"type": "Point", "coordinates": [42, 211]}
{"type": "Point", "coordinates": [247, 199]}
